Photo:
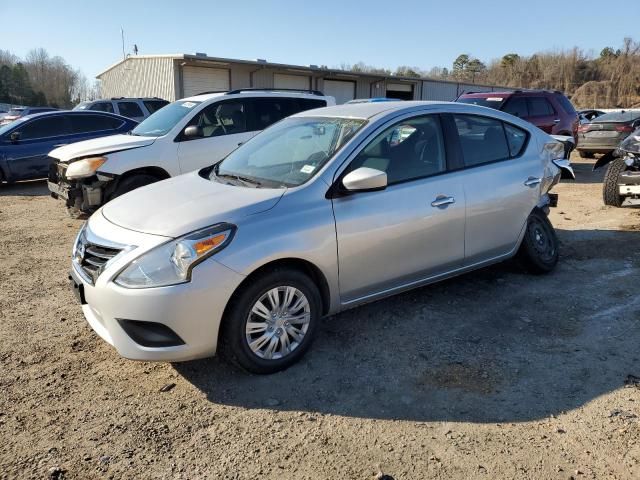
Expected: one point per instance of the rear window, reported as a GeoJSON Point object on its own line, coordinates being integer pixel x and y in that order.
{"type": "Point", "coordinates": [540, 107]}
{"type": "Point", "coordinates": [491, 102]}
{"type": "Point", "coordinates": [102, 107]}
{"type": "Point", "coordinates": [616, 117]}
{"type": "Point", "coordinates": [517, 106]}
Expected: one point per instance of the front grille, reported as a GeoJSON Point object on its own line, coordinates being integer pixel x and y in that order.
{"type": "Point", "coordinates": [92, 257]}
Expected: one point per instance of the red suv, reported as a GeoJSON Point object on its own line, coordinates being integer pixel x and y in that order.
{"type": "Point", "coordinates": [549, 110]}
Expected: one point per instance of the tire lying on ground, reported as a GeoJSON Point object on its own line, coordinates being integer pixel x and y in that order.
{"type": "Point", "coordinates": [538, 252]}
{"type": "Point", "coordinates": [610, 192]}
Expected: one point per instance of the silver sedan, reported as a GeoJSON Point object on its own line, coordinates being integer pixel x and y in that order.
{"type": "Point", "coordinates": [323, 211]}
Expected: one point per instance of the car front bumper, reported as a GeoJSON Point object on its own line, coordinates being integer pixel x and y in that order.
{"type": "Point", "coordinates": [85, 194]}
{"type": "Point", "coordinates": [193, 311]}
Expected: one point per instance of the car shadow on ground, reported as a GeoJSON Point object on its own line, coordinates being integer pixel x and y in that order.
{"type": "Point", "coordinates": [29, 188]}
{"type": "Point", "coordinates": [583, 168]}
{"type": "Point", "coordinates": [496, 345]}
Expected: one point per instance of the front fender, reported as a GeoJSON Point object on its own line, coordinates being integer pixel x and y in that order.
{"type": "Point", "coordinates": [604, 160]}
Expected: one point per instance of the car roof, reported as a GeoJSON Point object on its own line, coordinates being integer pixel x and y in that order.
{"type": "Point", "coordinates": [53, 113]}
{"type": "Point", "coordinates": [367, 110]}
{"type": "Point", "coordinates": [203, 97]}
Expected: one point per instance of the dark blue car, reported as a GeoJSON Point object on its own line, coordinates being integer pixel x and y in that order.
{"type": "Point", "coordinates": [26, 142]}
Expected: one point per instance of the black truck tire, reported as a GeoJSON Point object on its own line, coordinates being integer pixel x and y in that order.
{"type": "Point", "coordinates": [610, 191]}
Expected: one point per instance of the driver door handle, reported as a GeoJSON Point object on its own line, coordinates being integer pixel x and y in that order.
{"type": "Point", "coordinates": [532, 181]}
{"type": "Point", "coordinates": [442, 200]}
{"type": "Point", "coordinates": [557, 120]}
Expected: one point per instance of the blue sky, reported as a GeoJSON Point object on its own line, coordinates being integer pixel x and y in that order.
{"type": "Point", "coordinates": [382, 33]}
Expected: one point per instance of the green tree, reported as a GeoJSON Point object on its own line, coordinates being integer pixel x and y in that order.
{"type": "Point", "coordinates": [474, 68]}
{"type": "Point", "coordinates": [459, 65]}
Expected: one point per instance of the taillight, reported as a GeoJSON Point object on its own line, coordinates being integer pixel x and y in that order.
{"type": "Point", "coordinates": [583, 128]}
{"type": "Point", "coordinates": [624, 128]}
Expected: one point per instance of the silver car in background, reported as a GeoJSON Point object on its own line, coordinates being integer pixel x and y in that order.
{"type": "Point", "coordinates": [323, 211]}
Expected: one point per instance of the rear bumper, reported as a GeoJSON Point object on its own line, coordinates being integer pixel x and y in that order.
{"type": "Point", "coordinates": [629, 178]}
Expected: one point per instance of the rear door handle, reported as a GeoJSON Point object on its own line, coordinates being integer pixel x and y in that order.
{"type": "Point", "coordinates": [442, 200]}
{"type": "Point", "coordinates": [557, 120]}
{"type": "Point", "coordinates": [532, 181]}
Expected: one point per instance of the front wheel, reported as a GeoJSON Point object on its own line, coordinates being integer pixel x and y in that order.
{"type": "Point", "coordinates": [270, 322]}
{"type": "Point", "coordinates": [539, 249]}
{"type": "Point", "coordinates": [610, 189]}
{"type": "Point", "coordinates": [132, 182]}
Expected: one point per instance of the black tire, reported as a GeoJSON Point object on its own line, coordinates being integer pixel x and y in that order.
{"type": "Point", "coordinates": [610, 191]}
{"type": "Point", "coordinates": [234, 345]}
{"type": "Point", "coordinates": [132, 182]}
{"type": "Point", "coordinates": [586, 154]}
{"type": "Point", "coordinates": [539, 249]}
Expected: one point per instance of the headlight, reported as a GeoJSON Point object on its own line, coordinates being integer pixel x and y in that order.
{"type": "Point", "coordinates": [171, 263]}
{"type": "Point", "coordinates": [84, 168]}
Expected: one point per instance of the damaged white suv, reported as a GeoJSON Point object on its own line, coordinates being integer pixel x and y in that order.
{"type": "Point", "coordinates": [187, 135]}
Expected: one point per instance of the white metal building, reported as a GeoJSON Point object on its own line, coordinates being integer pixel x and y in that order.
{"type": "Point", "coordinates": [181, 75]}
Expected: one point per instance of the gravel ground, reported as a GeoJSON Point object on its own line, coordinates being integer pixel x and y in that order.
{"type": "Point", "coordinates": [495, 374]}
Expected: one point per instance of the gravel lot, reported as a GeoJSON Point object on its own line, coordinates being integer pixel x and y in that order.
{"type": "Point", "coordinates": [495, 374]}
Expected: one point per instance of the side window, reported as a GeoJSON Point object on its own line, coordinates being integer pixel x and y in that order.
{"type": "Point", "coordinates": [267, 111]}
{"type": "Point", "coordinates": [566, 104]}
{"type": "Point", "coordinates": [482, 139]}
{"type": "Point", "coordinates": [153, 105]}
{"type": "Point", "coordinates": [102, 107]}
{"type": "Point", "coordinates": [517, 106]}
{"type": "Point", "coordinates": [94, 123]}
{"type": "Point", "coordinates": [46, 127]}
{"type": "Point", "coordinates": [540, 107]}
{"type": "Point", "coordinates": [516, 138]}
{"type": "Point", "coordinates": [308, 103]}
{"type": "Point", "coordinates": [130, 109]}
{"type": "Point", "coordinates": [219, 119]}
{"type": "Point", "coordinates": [409, 150]}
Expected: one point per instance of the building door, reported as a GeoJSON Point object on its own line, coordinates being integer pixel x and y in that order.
{"type": "Point", "coordinates": [341, 90]}
{"type": "Point", "coordinates": [400, 91]}
{"type": "Point", "coordinates": [297, 82]}
{"type": "Point", "coordinates": [197, 80]}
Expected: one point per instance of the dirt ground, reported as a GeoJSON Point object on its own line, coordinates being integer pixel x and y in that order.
{"type": "Point", "coordinates": [495, 374]}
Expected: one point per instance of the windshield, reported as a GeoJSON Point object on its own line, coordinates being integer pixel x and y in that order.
{"type": "Point", "coordinates": [16, 112]}
{"type": "Point", "coordinates": [491, 102]}
{"type": "Point", "coordinates": [288, 153]}
{"type": "Point", "coordinates": [160, 122]}
{"type": "Point", "coordinates": [82, 106]}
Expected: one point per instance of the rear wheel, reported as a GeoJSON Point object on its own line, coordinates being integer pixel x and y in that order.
{"type": "Point", "coordinates": [584, 154]}
{"type": "Point", "coordinates": [610, 190]}
{"type": "Point", "coordinates": [539, 249]}
{"type": "Point", "coordinates": [270, 323]}
{"type": "Point", "coordinates": [132, 182]}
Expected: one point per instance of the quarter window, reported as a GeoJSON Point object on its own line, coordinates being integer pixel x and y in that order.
{"type": "Point", "coordinates": [408, 150]}
{"type": "Point", "coordinates": [482, 139]}
{"type": "Point", "coordinates": [130, 109]}
{"type": "Point", "coordinates": [516, 138]}
{"type": "Point", "coordinates": [153, 105]}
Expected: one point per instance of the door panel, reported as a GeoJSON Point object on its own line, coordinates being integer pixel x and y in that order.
{"type": "Point", "coordinates": [389, 238]}
{"type": "Point", "coordinates": [498, 204]}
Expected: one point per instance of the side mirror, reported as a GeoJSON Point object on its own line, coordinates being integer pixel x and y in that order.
{"type": "Point", "coordinates": [15, 137]}
{"type": "Point", "coordinates": [193, 131]}
{"type": "Point", "coordinates": [365, 179]}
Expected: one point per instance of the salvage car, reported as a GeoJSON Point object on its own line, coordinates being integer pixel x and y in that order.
{"type": "Point", "coordinates": [26, 142]}
{"type": "Point", "coordinates": [317, 214]}
{"type": "Point", "coordinates": [186, 135]}
{"type": "Point", "coordinates": [604, 133]}
{"type": "Point", "coordinates": [18, 112]}
{"type": "Point", "coordinates": [621, 184]}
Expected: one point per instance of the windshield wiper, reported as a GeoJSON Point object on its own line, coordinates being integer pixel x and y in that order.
{"type": "Point", "coordinates": [240, 178]}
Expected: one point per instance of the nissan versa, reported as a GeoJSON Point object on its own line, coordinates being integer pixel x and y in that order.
{"type": "Point", "coordinates": [325, 210]}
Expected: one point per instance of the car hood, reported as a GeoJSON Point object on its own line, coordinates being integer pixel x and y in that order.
{"type": "Point", "coordinates": [182, 204]}
{"type": "Point", "coordinates": [99, 146]}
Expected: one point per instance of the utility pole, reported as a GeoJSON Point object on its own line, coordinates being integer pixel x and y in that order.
{"type": "Point", "coordinates": [124, 56]}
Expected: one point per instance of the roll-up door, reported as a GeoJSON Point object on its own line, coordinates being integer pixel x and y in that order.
{"type": "Point", "coordinates": [341, 90]}
{"type": "Point", "coordinates": [196, 80]}
{"type": "Point", "coordinates": [299, 82]}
